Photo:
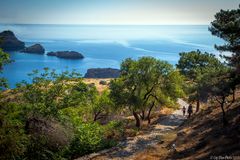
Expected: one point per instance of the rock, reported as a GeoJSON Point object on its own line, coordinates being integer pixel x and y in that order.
{"type": "Point", "coordinates": [66, 54]}
{"type": "Point", "coordinates": [102, 82]}
{"type": "Point", "coordinates": [36, 48]}
{"type": "Point", "coordinates": [9, 42]}
{"type": "Point", "coordinates": [102, 73]}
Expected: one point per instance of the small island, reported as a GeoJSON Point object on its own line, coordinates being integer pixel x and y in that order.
{"type": "Point", "coordinates": [66, 54]}
{"type": "Point", "coordinates": [34, 49]}
{"type": "Point", "coordinates": [9, 42]}
{"type": "Point", "coordinates": [102, 73]}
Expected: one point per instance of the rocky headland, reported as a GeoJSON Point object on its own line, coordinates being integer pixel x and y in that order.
{"type": "Point", "coordinates": [102, 73]}
{"type": "Point", "coordinates": [66, 54]}
{"type": "Point", "coordinates": [9, 42]}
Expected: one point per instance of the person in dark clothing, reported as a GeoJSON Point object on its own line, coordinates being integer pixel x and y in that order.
{"type": "Point", "coordinates": [184, 110]}
{"type": "Point", "coordinates": [190, 110]}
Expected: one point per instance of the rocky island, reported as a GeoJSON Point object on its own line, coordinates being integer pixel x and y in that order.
{"type": "Point", "coordinates": [66, 54]}
{"type": "Point", "coordinates": [9, 42]}
{"type": "Point", "coordinates": [102, 73]}
{"type": "Point", "coordinates": [35, 49]}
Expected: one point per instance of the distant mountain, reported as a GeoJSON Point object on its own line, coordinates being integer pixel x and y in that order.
{"type": "Point", "coordinates": [9, 42]}
{"type": "Point", "coordinates": [102, 73]}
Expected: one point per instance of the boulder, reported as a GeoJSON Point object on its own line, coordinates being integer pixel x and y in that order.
{"type": "Point", "coordinates": [36, 49]}
{"type": "Point", "coordinates": [66, 54]}
{"type": "Point", "coordinates": [102, 73]}
{"type": "Point", "coordinates": [102, 82]}
{"type": "Point", "coordinates": [9, 42]}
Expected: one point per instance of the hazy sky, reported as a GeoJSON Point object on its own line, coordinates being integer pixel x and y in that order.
{"type": "Point", "coordinates": [112, 11]}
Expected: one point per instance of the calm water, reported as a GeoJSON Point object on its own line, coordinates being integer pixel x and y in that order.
{"type": "Point", "coordinates": [102, 46]}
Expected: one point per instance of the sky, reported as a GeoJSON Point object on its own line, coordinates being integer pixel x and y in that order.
{"type": "Point", "coordinates": [112, 12]}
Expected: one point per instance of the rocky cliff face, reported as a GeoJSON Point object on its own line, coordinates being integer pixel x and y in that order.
{"type": "Point", "coordinates": [9, 42]}
{"type": "Point", "coordinates": [102, 73]}
{"type": "Point", "coordinates": [35, 49]}
{"type": "Point", "coordinates": [66, 54]}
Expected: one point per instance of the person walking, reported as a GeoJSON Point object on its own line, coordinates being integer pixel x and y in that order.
{"type": "Point", "coordinates": [184, 110]}
{"type": "Point", "coordinates": [190, 110]}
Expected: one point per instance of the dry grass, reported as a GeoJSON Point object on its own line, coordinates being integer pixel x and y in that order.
{"type": "Point", "coordinates": [96, 82]}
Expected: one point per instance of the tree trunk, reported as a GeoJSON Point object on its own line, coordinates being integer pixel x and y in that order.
{"type": "Point", "coordinates": [138, 121]}
{"type": "Point", "coordinates": [225, 122]}
{"type": "Point", "coordinates": [143, 114]}
{"type": "Point", "coordinates": [149, 113]}
{"type": "Point", "coordinates": [198, 105]}
{"type": "Point", "coordinates": [233, 95]}
{"type": "Point", "coordinates": [96, 116]}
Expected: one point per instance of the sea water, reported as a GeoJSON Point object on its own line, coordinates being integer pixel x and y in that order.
{"type": "Point", "coordinates": [102, 45]}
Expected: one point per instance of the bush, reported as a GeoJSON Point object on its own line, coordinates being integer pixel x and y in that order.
{"type": "Point", "coordinates": [89, 137]}
{"type": "Point", "coordinates": [114, 130]}
{"type": "Point", "coordinates": [13, 140]}
{"type": "Point", "coordinates": [38, 149]}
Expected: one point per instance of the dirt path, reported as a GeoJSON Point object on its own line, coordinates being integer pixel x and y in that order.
{"type": "Point", "coordinates": [131, 145]}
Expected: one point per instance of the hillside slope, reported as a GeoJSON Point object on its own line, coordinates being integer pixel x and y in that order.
{"type": "Point", "coordinates": [202, 137]}
{"type": "Point", "coordinates": [161, 127]}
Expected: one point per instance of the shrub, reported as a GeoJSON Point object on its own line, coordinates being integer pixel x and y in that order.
{"type": "Point", "coordinates": [114, 130]}
{"type": "Point", "coordinates": [89, 137]}
{"type": "Point", "coordinates": [13, 140]}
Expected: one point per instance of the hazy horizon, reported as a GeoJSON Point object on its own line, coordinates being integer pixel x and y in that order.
{"type": "Point", "coordinates": [112, 12]}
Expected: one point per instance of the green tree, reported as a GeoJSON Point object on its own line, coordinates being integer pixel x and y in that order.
{"type": "Point", "coordinates": [102, 105]}
{"type": "Point", "coordinates": [193, 65]}
{"type": "Point", "coordinates": [49, 92]}
{"type": "Point", "coordinates": [144, 84]}
{"type": "Point", "coordinates": [226, 26]}
{"type": "Point", "coordinates": [217, 84]}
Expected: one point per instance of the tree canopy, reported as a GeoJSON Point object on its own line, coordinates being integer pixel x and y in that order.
{"type": "Point", "coordinates": [226, 26]}
{"type": "Point", "coordinates": [145, 83]}
{"type": "Point", "coordinates": [195, 65]}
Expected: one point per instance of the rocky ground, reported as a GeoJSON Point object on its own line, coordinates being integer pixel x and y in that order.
{"type": "Point", "coordinates": [152, 136]}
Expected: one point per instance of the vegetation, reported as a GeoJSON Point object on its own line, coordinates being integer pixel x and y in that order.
{"type": "Point", "coordinates": [145, 84]}
{"type": "Point", "coordinates": [226, 26]}
{"type": "Point", "coordinates": [196, 66]}
{"type": "Point", "coordinates": [4, 59]}
{"type": "Point", "coordinates": [54, 109]}
{"type": "Point", "coordinates": [58, 116]}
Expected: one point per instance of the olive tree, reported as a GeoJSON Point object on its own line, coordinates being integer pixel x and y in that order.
{"type": "Point", "coordinates": [144, 84]}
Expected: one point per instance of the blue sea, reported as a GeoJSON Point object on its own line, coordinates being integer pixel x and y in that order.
{"type": "Point", "coordinates": [103, 45]}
